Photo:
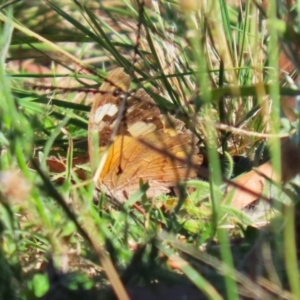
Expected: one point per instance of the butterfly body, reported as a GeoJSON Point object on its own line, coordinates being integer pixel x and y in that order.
{"type": "Point", "coordinates": [140, 143]}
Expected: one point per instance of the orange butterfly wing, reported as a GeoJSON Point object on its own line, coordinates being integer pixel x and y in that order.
{"type": "Point", "coordinates": [129, 157]}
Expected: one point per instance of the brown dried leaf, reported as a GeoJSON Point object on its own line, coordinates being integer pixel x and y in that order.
{"type": "Point", "coordinates": [255, 180]}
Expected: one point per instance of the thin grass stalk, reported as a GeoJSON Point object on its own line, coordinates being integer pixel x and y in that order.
{"type": "Point", "coordinates": [290, 250]}
{"type": "Point", "coordinates": [274, 90]}
{"type": "Point", "coordinates": [244, 39]}
{"type": "Point", "coordinates": [227, 27]}
{"type": "Point", "coordinates": [214, 164]}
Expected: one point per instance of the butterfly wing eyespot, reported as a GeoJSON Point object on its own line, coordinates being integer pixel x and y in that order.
{"type": "Point", "coordinates": [149, 146]}
{"type": "Point", "coordinates": [117, 93]}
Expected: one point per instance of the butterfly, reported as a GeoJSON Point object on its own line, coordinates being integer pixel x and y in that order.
{"type": "Point", "coordinates": [138, 143]}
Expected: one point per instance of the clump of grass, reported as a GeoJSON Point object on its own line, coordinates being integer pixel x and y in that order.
{"type": "Point", "coordinates": [214, 62]}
